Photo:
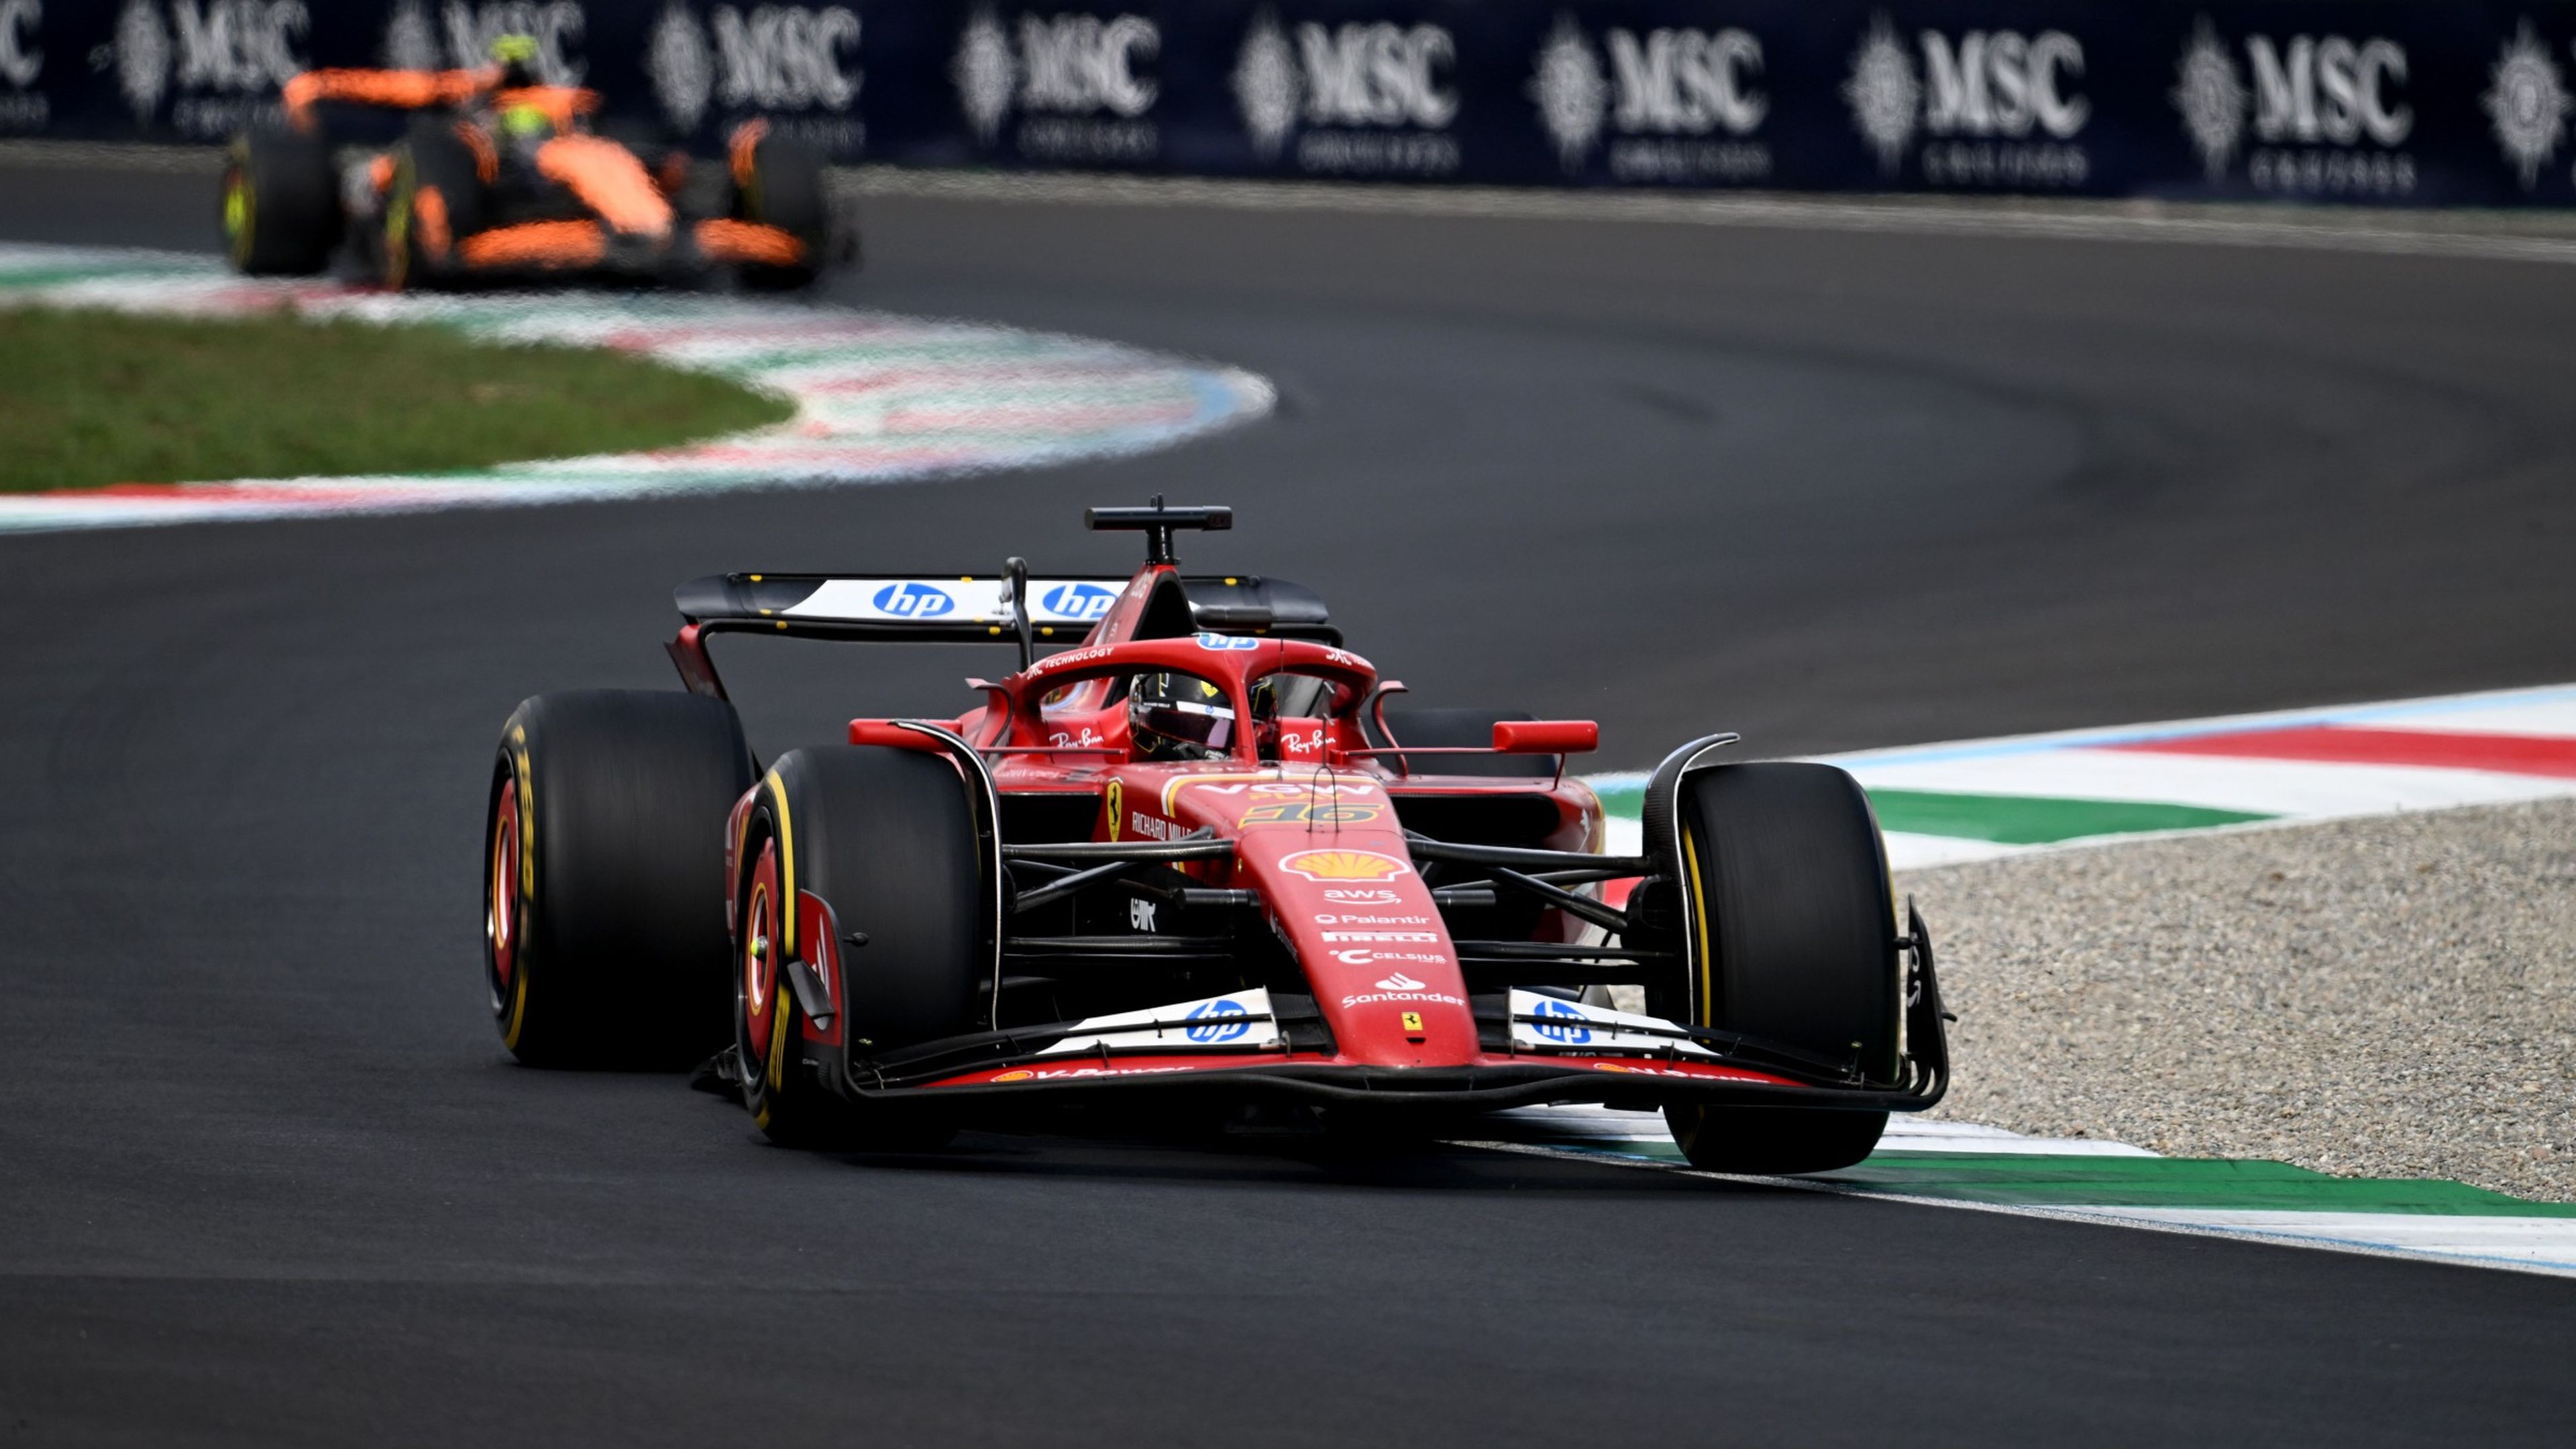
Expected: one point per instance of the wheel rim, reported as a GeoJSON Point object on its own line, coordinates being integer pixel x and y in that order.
{"type": "Point", "coordinates": [237, 214]}
{"type": "Point", "coordinates": [501, 892]}
{"type": "Point", "coordinates": [398, 229]}
{"type": "Point", "coordinates": [755, 988]}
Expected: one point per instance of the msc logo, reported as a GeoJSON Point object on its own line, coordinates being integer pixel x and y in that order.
{"type": "Point", "coordinates": [1225, 643]}
{"type": "Point", "coordinates": [1223, 1021]}
{"type": "Point", "coordinates": [1078, 601]}
{"type": "Point", "coordinates": [1566, 1024]}
{"type": "Point", "coordinates": [912, 600]}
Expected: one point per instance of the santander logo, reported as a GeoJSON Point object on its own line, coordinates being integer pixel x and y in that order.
{"type": "Point", "coordinates": [1399, 982]}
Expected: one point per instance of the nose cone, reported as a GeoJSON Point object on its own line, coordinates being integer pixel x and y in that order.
{"type": "Point", "coordinates": [1362, 923]}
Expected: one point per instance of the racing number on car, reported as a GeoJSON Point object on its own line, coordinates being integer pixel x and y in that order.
{"type": "Point", "coordinates": [1310, 812]}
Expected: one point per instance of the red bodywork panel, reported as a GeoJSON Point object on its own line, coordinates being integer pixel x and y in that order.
{"type": "Point", "coordinates": [1316, 826]}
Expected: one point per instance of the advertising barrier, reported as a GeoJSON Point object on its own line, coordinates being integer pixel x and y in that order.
{"type": "Point", "coordinates": [2414, 102]}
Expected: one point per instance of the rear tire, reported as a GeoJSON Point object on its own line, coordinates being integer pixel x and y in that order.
{"type": "Point", "coordinates": [886, 838]}
{"type": "Point", "coordinates": [1800, 933]}
{"type": "Point", "coordinates": [281, 204]}
{"type": "Point", "coordinates": [604, 922]}
{"type": "Point", "coordinates": [785, 190]}
{"type": "Point", "coordinates": [436, 202]}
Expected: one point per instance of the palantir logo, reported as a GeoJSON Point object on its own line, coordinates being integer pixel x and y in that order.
{"type": "Point", "coordinates": [913, 599]}
{"type": "Point", "coordinates": [1229, 1022]}
{"type": "Point", "coordinates": [1078, 601]}
{"type": "Point", "coordinates": [1565, 1025]}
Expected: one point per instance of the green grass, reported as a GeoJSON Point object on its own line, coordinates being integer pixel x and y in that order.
{"type": "Point", "coordinates": [90, 398]}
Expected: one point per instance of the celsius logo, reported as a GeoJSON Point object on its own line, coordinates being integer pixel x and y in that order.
{"type": "Point", "coordinates": [912, 600]}
{"type": "Point", "coordinates": [1078, 601]}
{"type": "Point", "coordinates": [1226, 643]}
{"type": "Point", "coordinates": [1566, 1023]}
{"type": "Point", "coordinates": [779, 57]}
{"type": "Point", "coordinates": [1223, 1021]}
{"type": "Point", "coordinates": [1399, 982]}
{"type": "Point", "coordinates": [462, 35]}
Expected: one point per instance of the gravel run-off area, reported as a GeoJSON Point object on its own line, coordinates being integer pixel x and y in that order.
{"type": "Point", "coordinates": [2384, 997]}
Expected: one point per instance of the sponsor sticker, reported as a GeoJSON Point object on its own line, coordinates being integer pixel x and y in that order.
{"type": "Point", "coordinates": [1348, 896]}
{"type": "Point", "coordinates": [1226, 643]}
{"type": "Point", "coordinates": [1419, 937]}
{"type": "Point", "coordinates": [1413, 1023]}
{"type": "Point", "coordinates": [1304, 812]}
{"type": "Point", "coordinates": [913, 599]}
{"type": "Point", "coordinates": [1335, 866]}
{"type": "Point", "coordinates": [1399, 982]}
{"type": "Point", "coordinates": [1082, 603]}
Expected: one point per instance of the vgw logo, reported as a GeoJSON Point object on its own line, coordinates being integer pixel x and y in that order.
{"type": "Point", "coordinates": [461, 36]}
{"type": "Point", "coordinates": [1983, 92]}
{"type": "Point", "coordinates": [1666, 83]}
{"type": "Point", "coordinates": [771, 58]}
{"type": "Point", "coordinates": [1369, 74]}
{"type": "Point", "coordinates": [2332, 98]}
{"type": "Point", "coordinates": [914, 600]}
{"type": "Point", "coordinates": [235, 48]}
{"type": "Point", "coordinates": [1230, 1021]}
{"type": "Point", "coordinates": [1084, 602]}
{"type": "Point", "coordinates": [1080, 81]}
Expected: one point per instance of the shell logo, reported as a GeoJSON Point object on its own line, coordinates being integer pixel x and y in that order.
{"type": "Point", "coordinates": [1343, 865]}
{"type": "Point", "coordinates": [1018, 1076]}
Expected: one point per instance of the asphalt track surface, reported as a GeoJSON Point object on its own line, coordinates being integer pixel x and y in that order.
{"type": "Point", "coordinates": [267, 1177]}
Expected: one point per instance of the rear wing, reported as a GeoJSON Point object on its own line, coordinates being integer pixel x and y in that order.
{"type": "Point", "coordinates": [976, 609]}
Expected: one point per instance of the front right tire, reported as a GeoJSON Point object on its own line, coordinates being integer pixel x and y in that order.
{"type": "Point", "coordinates": [1797, 945]}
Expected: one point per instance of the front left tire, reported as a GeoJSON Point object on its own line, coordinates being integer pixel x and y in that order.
{"type": "Point", "coordinates": [605, 939]}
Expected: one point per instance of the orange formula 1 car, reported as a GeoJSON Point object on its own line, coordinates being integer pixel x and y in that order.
{"type": "Point", "coordinates": [500, 177]}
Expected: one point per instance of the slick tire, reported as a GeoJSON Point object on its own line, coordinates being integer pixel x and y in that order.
{"type": "Point", "coordinates": [885, 839]}
{"type": "Point", "coordinates": [438, 199]}
{"type": "Point", "coordinates": [783, 187]}
{"type": "Point", "coordinates": [604, 940]}
{"type": "Point", "coordinates": [1790, 873]}
{"type": "Point", "coordinates": [1469, 728]}
{"type": "Point", "coordinates": [281, 205]}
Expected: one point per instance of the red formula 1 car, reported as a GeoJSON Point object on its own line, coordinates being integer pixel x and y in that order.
{"type": "Point", "coordinates": [500, 178]}
{"type": "Point", "coordinates": [1194, 863]}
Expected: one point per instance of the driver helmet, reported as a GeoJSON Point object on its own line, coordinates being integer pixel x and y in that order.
{"type": "Point", "coordinates": [516, 55]}
{"type": "Point", "coordinates": [527, 125]}
{"type": "Point", "coordinates": [1176, 716]}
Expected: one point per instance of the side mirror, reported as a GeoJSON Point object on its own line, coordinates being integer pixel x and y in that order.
{"type": "Point", "coordinates": [1547, 736]}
